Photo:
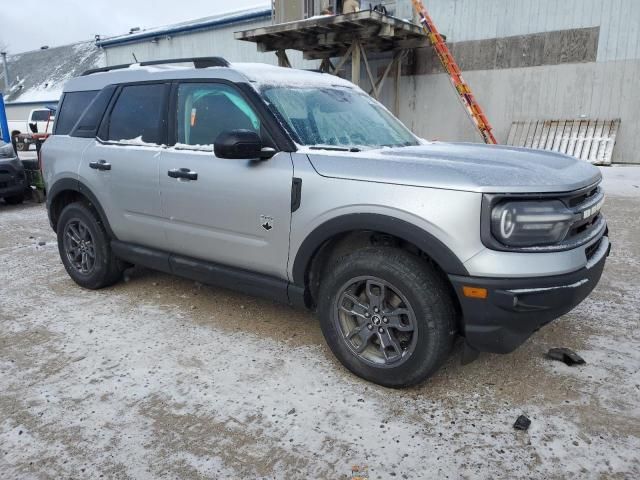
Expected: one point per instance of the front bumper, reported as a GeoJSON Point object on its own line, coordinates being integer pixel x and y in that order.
{"type": "Point", "coordinates": [515, 308]}
{"type": "Point", "coordinates": [12, 178]}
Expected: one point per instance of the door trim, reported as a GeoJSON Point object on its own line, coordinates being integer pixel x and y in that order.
{"type": "Point", "coordinates": [210, 273]}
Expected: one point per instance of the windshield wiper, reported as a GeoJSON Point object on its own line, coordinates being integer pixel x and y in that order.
{"type": "Point", "coordinates": [335, 149]}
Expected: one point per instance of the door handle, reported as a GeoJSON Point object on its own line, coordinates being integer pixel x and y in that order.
{"type": "Point", "coordinates": [185, 173]}
{"type": "Point", "coordinates": [100, 165]}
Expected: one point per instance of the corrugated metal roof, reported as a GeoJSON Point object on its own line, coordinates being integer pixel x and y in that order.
{"type": "Point", "coordinates": [39, 76]}
{"type": "Point", "coordinates": [206, 23]}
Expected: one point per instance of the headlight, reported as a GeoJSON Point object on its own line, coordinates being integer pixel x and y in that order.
{"type": "Point", "coordinates": [530, 223]}
{"type": "Point", "coordinates": [6, 150]}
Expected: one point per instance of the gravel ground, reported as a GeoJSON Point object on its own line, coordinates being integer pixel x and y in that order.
{"type": "Point", "coordinates": [159, 377]}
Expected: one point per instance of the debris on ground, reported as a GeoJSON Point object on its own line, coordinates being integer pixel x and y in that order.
{"type": "Point", "coordinates": [522, 423]}
{"type": "Point", "coordinates": [565, 355]}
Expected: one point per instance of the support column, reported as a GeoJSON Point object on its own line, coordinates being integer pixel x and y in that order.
{"type": "Point", "coordinates": [398, 75]}
{"type": "Point", "coordinates": [355, 63]}
{"type": "Point", "coordinates": [283, 60]}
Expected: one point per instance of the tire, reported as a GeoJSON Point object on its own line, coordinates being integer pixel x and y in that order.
{"type": "Point", "coordinates": [86, 239]}
{"type": "Point", "coordinates": [411, 286]}
{"type": "Point", "coordinates": [14, 199]}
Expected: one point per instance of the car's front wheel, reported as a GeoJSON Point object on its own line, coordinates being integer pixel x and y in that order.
{"type": "Point", "coordinates": [387, 316]}
{"type": "Point", "coordinates": [85, 248]}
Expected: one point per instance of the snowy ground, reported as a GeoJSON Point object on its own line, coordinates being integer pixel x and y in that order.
{"type": "Point", "coordinates": [159, 377]}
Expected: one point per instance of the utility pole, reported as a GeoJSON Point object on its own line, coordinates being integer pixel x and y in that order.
{"type": "Point", "coordinates": [7, 78]}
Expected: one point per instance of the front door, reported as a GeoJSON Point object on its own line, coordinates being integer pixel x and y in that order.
{"type": "Point", "coordinates": [232, 212]}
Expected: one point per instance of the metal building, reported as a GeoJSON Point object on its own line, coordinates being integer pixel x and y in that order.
{"type": "Point", "coordinates": [526, 60]}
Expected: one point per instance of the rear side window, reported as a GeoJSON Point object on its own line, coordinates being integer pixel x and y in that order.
{"type": "Point", "coordinates": [73, 105]}
{"type": "Point", "coordinates": [138, 114]}
{"type": "Point", "coordinates": [88, 124]}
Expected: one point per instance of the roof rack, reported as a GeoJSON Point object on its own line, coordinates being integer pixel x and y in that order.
{"type": "Point", "coordinates": [198, 62]}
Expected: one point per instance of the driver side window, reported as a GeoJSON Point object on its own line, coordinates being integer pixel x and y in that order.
{"type": "Point", "coordinates": [205, 110]}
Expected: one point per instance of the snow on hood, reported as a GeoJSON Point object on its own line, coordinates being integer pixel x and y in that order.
{"type": "Point", "coordinates": [460, 166]}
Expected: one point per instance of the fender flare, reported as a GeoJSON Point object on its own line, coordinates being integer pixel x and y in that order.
{"type": "Point", "coordinates": [69, 184]}
{"type": "Point", "coordinates": [433, 247]}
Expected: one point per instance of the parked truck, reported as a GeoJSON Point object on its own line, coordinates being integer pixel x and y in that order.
{"type": "Point", "coordinates": [38, 126]}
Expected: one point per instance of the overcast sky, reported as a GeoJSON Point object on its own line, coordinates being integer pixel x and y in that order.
{"type": "Point", "coordinates": [29, 24]}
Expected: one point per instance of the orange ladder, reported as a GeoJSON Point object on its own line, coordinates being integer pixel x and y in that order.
{"type": "Point", "coordinates": [451, 67]}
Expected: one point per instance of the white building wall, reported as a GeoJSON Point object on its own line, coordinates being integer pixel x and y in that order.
{"type": "Point", "coordinates": [462, 20]}
{"type": "Point", "coordinates": [605, 89]}
{"type": "Point", "coordinates": [205, 43]}
{"type": "Point", "coordinates": [591, 90]}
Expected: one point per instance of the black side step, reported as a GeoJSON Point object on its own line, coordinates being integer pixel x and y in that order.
{"type": "Point", "coordinates": [210, 273]}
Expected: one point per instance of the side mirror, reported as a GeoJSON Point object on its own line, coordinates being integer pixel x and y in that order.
{"type": "Point", "coordinates": [33, 127]}
{"type": "Point", "coordinates": [242, 145]}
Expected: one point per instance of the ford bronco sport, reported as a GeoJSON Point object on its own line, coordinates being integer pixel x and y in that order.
{"type": "Point", "coordinates": [299, 187]}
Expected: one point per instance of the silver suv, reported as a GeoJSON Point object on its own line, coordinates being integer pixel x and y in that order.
{"type": "Point", "coordinates": [299, 187]}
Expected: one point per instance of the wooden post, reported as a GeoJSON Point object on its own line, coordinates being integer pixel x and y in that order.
{"type": "Point", "coordinates": [283, 60]}
{"type": "Point", "coordinates": [355, 63]}
{"type": "Point", "coordinates": [398, 72]}
{"type": "Point", "coordinates": [327, 67]}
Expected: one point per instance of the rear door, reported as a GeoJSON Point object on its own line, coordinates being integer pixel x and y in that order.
{"type": "Point", "coordinates": [232, 212]}
{"type": "Point", "coordinates": [124, 161]}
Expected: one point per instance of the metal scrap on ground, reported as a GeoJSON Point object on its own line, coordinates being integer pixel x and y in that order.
{"type": "Point", "coordinates": [565, 355]}
{"type": "Point", "coordinates": [522, 423]}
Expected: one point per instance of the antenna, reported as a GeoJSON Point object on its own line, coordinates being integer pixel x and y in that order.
{"type": "Point", "coordinates": [134, 57]}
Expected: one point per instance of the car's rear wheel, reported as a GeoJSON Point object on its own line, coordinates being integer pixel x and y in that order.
{"type": "Point", "coordinates": [387, 315]}
{"type": "Point", "coordinates": [85, 249]}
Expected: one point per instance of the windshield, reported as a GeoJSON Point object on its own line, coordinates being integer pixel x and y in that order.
{"type": "Point", "coordinates": [336, 117]}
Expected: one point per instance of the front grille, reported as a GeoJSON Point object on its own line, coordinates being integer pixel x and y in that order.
{"type": "Point", "coordinates": [582, 197]}
{"type": "Point", "coordinates": [588, 220]}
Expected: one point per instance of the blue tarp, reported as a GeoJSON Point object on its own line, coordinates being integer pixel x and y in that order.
{"type": "Point", "coordinates": [4, 125]}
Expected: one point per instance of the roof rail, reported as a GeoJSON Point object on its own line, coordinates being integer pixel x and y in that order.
{"type": "Point", "coordinates": [198, 62]}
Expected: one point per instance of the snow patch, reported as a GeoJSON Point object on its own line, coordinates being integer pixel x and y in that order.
{"type": "Point", "coordinates": [621, 180]}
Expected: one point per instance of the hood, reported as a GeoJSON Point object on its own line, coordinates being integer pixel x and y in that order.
{"type": "Point", "coordinates": [461, 166]}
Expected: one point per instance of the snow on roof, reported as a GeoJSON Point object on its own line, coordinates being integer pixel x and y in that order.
{"type": "Point", "coordinates": [262, 73]}
{"type": "Point", "coordinates": [39, 75]}
{"type": "Point", "coordinates": [218, 20]}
